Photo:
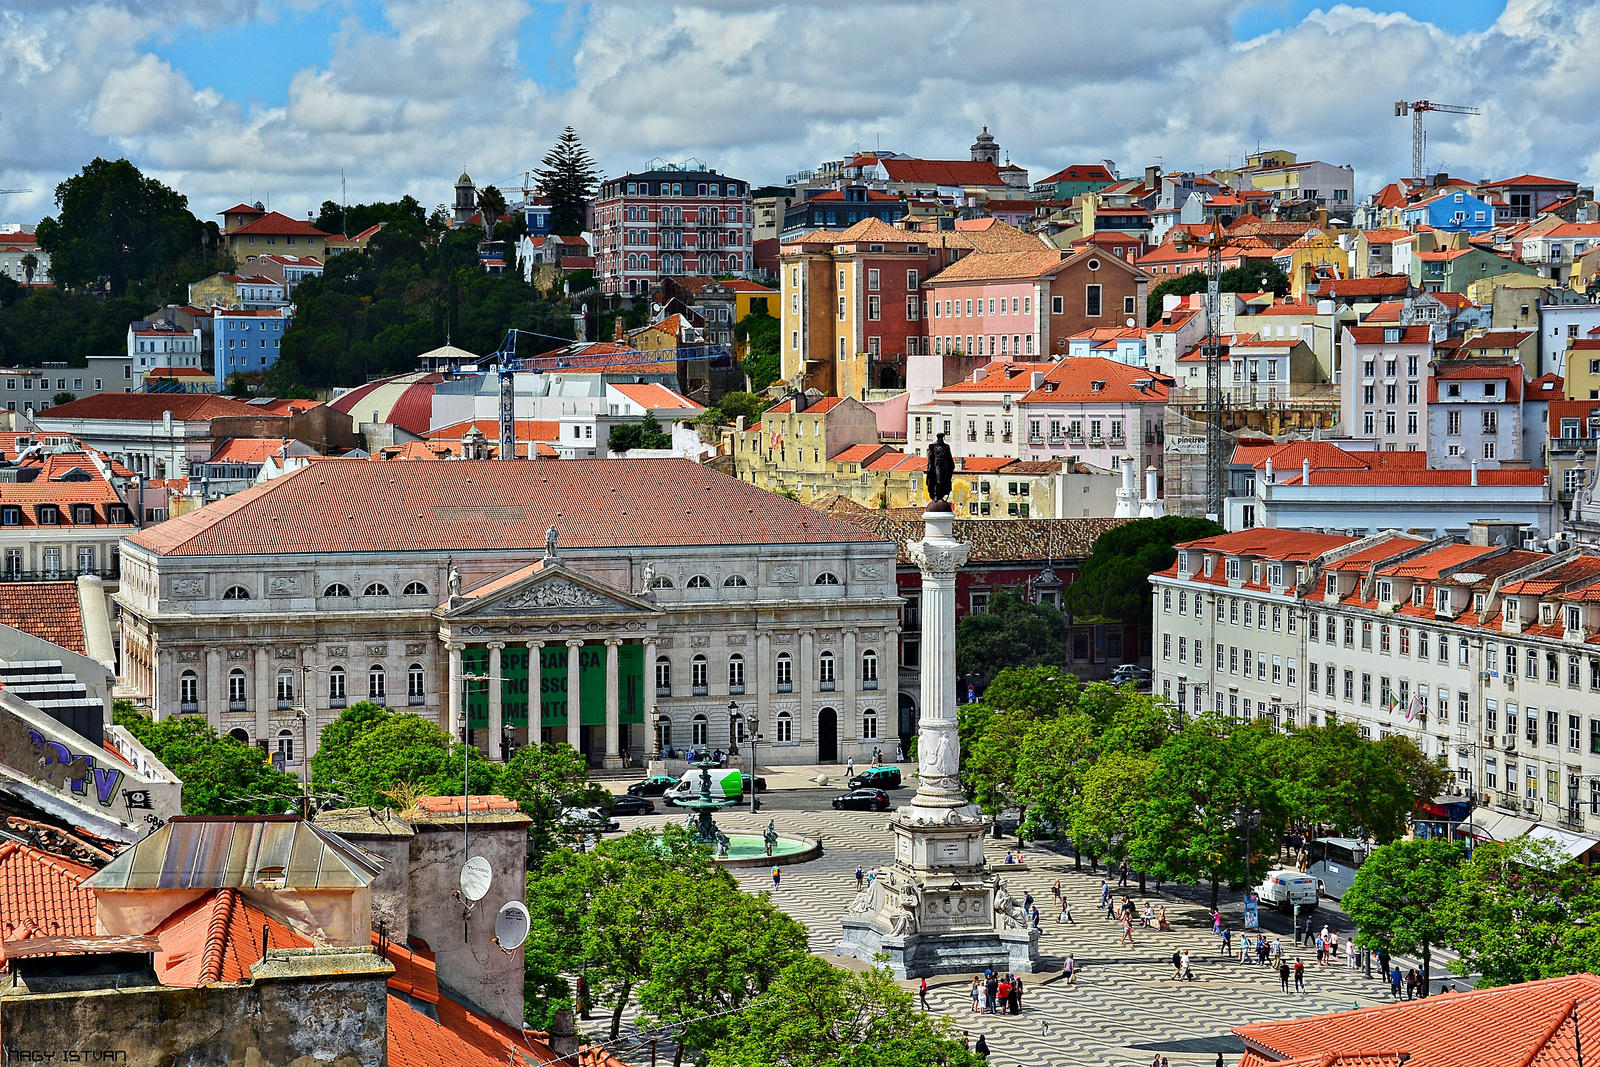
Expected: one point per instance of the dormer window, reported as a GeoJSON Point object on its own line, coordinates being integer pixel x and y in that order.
{"type": "Point", "coordinates": [1477, 603]}
{"type": "Point", "coordinates": [1511, 610]}
{"type": "Point", "coordinates": [1183, 564]}
{"type": "Point", "coordinates": [1233, 570]}
{"type": "Point", "coordinates": [49, 515]}
{"type": "Point", "coordinates": [82, 514]}
{"type": "Point", "coordinates": [1441, 601]}
{"type": "Point", "coordinates": [1211, 562]}
{"type": "Point", "coordinates": [1385, 591]}
{"type": "Point", "coordinates": [1419, 596]}
{"type": "Point", "coordinates": [1255, 571]}
{"type": "Point", "coordinates": [1574, 617]}
{"type": "Point", "coordinates": [10, 516]}
{"type": "Point", "coordinates": [1391, 335]}
{"type": "Point", "coordinates": [1275, 574]}
{"type": "Point", "coordinates": [1489, 389]}
{"type": "Point", "coordinates": [1547, 614]}
{"type": "Point", "coordinates": [1332, 586]}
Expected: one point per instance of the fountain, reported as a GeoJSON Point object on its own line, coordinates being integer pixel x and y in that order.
{"type": "Point", "coordinates": [738, 850]}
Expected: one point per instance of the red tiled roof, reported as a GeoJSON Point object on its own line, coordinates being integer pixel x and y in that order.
{"type": "Point", "coordinates": [1075, 379]}
{"type": "Point", "coordinates": [996, 379]}
{"type": "Point", "coordinates": [1530, 179]}
{"type": "Point", "coordinates": [653, 396]}
{"type": "Point", "coordinates": [817, 407]}
{"type": "Point", "coordinates": [1430, 565]}
{"type": "Point", "coordinates": [1080, 172]}
{"type": "Point", "coordinates": [1527, 1025]}
{"type": "Point", "coordinates": [249, 450]}
{"type": "Point", "coordinates": [47, 610]}
{"type": "Point", "coordinates": [217, 939]}
{"type": "Point", "coordinates": [984, 464]}
{"type": "Point", "coordinates": [148, 407]}
{"type": "Point", "coordinates": [40, 895]}
{"type": "Point", "coordinates": [1382, 285]}
{"type": "Point", "coordinates": [1269, 543]}
{"type": "Point", "coordinates": [942, 171]}
{"type": "Point", "coordinates": [863, 454]}
{"type": "Point", "coordinates": [526, 430]}
{"type": "Point", "coordinates": [1373, 335]}
{"type": "Point", "coordinates": [1500, 339]}
{"type": "Point", "coordinates": [455, 805]}
{"type": "Point", "coordinates": [276, 224]}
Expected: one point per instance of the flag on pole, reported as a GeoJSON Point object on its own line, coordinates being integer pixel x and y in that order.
{"type": "Point", "coordinates": [1414, 708]}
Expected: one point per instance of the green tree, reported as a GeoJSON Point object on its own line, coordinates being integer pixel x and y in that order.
{"type": "Point", "coordinates": [816, 1015]}
{"type": "Point", "coordinates": [63, 398]}
{"type": "Point", "coordinates": [1397, 899]}
{"type": "Point", "coordinates": [1114, 582]}
{"type": "Point", "coordinates": [568, 176]}
{"type": "Point", "coordinates": [1113, 793]}
{"type": "Point", "coordinates": [334, 218]}
{"type": "Point", "coordinates": [761, 334]}
{"type": "Point", "coordinates": [378, 757]}
{"type": "Point", "coordinates": [1331, 776]}
{"type": "Point", "coordinates": [1514, 915]}
{"type": "Point", "coordinates": [492, 202]}
{"type": "Point", "coordinates": [545, 780]}
{"type": "Point", "coordinates": [215, 770]}
{"type": "Point", "coordinates": [1255, 276]}
{"type": "Point", "coordinates": [117, 227]}
{"type": "Point", "coordinates": [648, 433]}
{"type": "Point", "coordinates": [30, 267]}
{"type": "Point", "coordinates": [1012, 633]}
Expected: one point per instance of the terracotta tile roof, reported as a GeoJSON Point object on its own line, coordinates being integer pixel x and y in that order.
{"type": "Point", "coordinates": [1500, 339]}
{"type": "Point", "coordinates": [1000, 266]}
{"type": "Point", "coordinates": [1530, 179]}
{"type": "Point", "coordinates": [653, 396]}
{"type": "Point", "coordinates": [1432, 564]}
{"type": "Point", "coordinates": [998, 377]}
{"type": "Point", "coordinates": [1079, 172]}
{"type": "Point", "coordinates": [1095, 379]}
{"type": "Point", "coordinates": [217, 939]}
{"type": "Point", "coordinates": [817, 407]}
{"type": "Point", "coordinates": [984, 464]}
{"type": "Point", "coordinates": [47, 610]}
{"type": "Point", "coordinates": [992, 540]}
{"type": "Point", "coordinates": [999, 236]}
{"type": "Point", "coordinates": [249, 450]}
{"type": "Point", "coordinates": [1269, 543]}
{"type": "Point", "coordinates": [1382, 285]}
{"type": "Point", "coordinates": [41, 895]}
{"type": "Point", "coordinates": [527, 430]}
{"type": "Point", "coordinates": [1580, 570]}
{"type": "Point", "coordinates": [1290, 456]}
{"type": "Point", "coordinates": [455, 805]}
{"type": "Point", "coordinates": [873, 230]}
{"type": "Point", "coordinates": [1373, 335]}
{"type": "Point", "coordinates": [1399, 477]}
{"type": "Point", "coordinates": [148, 407]}
{"type": "Point", "coordinates": [1530, 1026]}
{"type": "Point", "coordinates": [942, 171]}
{"type": "Point", "coordinates": [898, 462]}
{"type": "Point", "coordinates": [276, 224]}
{"type": "Point", "coordinates": [864, 454]}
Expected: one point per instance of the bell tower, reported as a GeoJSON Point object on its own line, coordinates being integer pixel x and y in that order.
{"type": "Point", "coordinates": [985, 150]}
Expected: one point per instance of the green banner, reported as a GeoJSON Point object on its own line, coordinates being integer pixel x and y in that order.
{"type": "Point", "coordinates": [476, 661]}
{"type": "Point", "coordinates": [592, 672]}
{"type": "Point", "coordinates": [553, 687]}
{"type": "Point", "coordinates": [514, 684]}
{"type": "Point", "coordinates": [631, 669]}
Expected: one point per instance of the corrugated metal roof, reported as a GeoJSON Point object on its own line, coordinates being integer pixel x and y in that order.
{"type": "Point", "coordinates": [217, 852]}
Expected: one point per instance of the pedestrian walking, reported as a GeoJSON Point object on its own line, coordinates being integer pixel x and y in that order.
{"type": "Point", "coordinates": [981, 1048]}
{"type": "Point", "coordinates": [1277, 948]}
{"type": "Point", "coordinates": [1161, 919]}
{"type": "Point", "coordinates": [1127, 932]}
{"type": "Point", "coordinates": [923, 993]}
{"type": "Point", "coordinates": [1227, 942]}
{"type": "Point", "coordinates": [1016, 996]}
{"type": "Point", "coordinates": [1123, 873]}
{"type": "Point", "coordinates": [1033, 913]}
{"type": "Point", "coordinates": [977, 995]}
{"type": "Point", "coordinates": [1070, 969]}
{"type": "Point", "coordinates": [1065, 914]}
{"type": "Point", "coordinates": [1027, 900]}
{"type": "Point", "coordinates": [1177, 965]}
{"type": "Point", "coordinates": [1350, 955]}
{"type": "Point", "coordinates": [1299, 976]}
{"type": "Point", "coordinates": [776, 873]}
{"type": "Point", "coordinates": [1283, 974]}
{"type": "Point", "coordinates": [1216, 922]}
{"type": "Point", "coordinates": [1394, 982]}
{"type": "Point", "coordinates": [1413, 980]}
{"type": "Point", "coordinates": [850, 766]}
{"type": "Point", "coordinates": [1105, 891]}
{"type": "Point", "coordinates": [861, 878]}
{"type": "Point", "coordinates": [1055, 890]}
{"type": "Point", "coordinates": [1308, 931]}
{"type": "Point", "coordinates": [1184, 970]}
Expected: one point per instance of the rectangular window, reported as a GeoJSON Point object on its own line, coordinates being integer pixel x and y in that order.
{"type": "Point", "coordinates": [1350, 684]}
{"type": "Point", "coordinates": [1091, 301]}
{"type": "Point", "coordinates": [1313, 678]}
{"type": "Point", "coordinates": [874, 308]}
{"type": "Point", "coordinates": [1057, 305]}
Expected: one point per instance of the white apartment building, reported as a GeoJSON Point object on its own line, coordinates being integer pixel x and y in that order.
{"type": "Point", "coordinates": [1484, 655]}
{"type": "Point", "coordinates": [1383, 382]}
{"type": "Point", "coordinates": [1475, 415]}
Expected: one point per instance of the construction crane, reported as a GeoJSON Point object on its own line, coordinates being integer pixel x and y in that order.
{"type": "Point", "coordinates": [5, 191]}
{"type": "Point", "coordinates": [1214, 352]}
{"type": "Point", "coordinates": [1416, 109]}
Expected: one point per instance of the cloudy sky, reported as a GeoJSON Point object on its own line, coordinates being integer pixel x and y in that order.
{"type": "Point", "coordinates": [231, 100]}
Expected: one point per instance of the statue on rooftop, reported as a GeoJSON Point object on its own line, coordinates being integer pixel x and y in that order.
{"type": "Point", "coordinates": [941, 466]}
{"type": "Point", "coordinates": [550, 543]}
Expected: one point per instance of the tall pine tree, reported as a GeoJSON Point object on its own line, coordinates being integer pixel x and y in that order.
{"type": "Point", "coordinates": [568, 177]}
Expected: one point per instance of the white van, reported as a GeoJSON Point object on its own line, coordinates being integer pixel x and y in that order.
{"type": "Point", "coordinates": [726, 784]}
{"type": "Point", "coordinates": [1284, 888]}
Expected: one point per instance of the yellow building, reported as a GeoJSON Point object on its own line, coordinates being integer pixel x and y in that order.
{"type": "Point", "coordinates": [250, 231]}
{"type": "Point", "coordinates": [1310, 260]}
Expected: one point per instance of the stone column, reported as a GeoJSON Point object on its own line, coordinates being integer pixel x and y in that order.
{"type": "Point", "coordinates": [310, 700]}
{"type": "Point", "coordinates": [166, 697]}
{"type": "Point", "coordinates": [265, 701]}
{"type": "Point", "coordinates": [535, 691]}
{"type": "Point", "coordinates": [454, 713]}
{"type": "Point", "coordinates": [763, 682]}
{"type": "Point", "coordinates": [650, 716]}
{"type": "Point", "coordinates": [938, 555]}
{"type": "Point", "coordinates": [613, 701]}
{"type": "Point", "coordinates": [496, 697]}
{"type": "Point", "coordinates": [804, 666]}
{"type": "Point", "coordinates": [574, 693]}
{"type": "Point", "coordinates": [847, 668]}
{"type": "Point", "coordinates": [216, 687]}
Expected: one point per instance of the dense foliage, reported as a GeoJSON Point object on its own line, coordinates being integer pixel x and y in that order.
{"type": "Point", "coordinates": [1114, 582]}
{"type": "Point", "coordinates": [1126, 775]}
{"type": "Point", "coordinates": [1013, 632]}
{"type": "Point", "coordinates": [731, 406]}
{"type": "Point", "coordinates": [647, 433]}
{"type": "Point", "coordinates": [568, 176]}
{"type": "Point", "coordinates": [372, 313]}
{"type": "Point", "coordinates": [216, 771]}
{"type": "Point", "coordinates": [351, 220]}
{"type": "Point", "coordinates": [1255, 276]}
{"type": "Point", "coordinates": [761, 334]}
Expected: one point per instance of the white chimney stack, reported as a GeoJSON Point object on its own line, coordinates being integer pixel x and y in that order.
{"type": "Point", "coordinates": [1305, 472]}
{"type": "Point", "coordinates": [1474, 472]}
{"type": "Point", "coordinates": [1269, 470]}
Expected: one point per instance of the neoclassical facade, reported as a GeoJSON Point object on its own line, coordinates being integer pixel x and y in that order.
{"type": "Point", "coordinates": [666, 594]}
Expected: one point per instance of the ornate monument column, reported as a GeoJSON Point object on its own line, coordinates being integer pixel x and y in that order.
{"type": "Point", "coordinates": [937, 908]}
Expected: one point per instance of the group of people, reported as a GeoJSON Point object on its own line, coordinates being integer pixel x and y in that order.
{"type": "Point", "coordinates": [1151, 916]}
{"type": "Point", "coordinates": [995, 993]}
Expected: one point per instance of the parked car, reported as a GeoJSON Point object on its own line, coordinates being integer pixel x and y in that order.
{"type": "Point", "coordinates": [761, 783]}
{"type": "Point", "coordinates": [653, 786]}
{"type": "Point", "coordinates": [863, 800]}
{"type": "Point", "coordinates": [877, 778]}
{"type": "Point", "coordinates": [588, 820]}
{"type": "Point", "coordinates": [1131, 673]}
{"type": "Point", "coordinates": [632, 805]}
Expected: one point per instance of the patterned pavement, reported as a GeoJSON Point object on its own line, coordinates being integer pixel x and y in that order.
{"type": "Point", "coordinates": [1125, 1007]}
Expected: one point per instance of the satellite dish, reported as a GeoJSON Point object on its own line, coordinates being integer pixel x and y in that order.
{"type": "Point", "coordinates": [1130, 323]}
{"type": "Point", "coordinates": [475, 878]}
{"type": "Point", "coordinates": [511, 925]}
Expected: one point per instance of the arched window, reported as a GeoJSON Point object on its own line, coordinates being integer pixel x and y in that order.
{"type": "Point", "coordinates": [827, 578]}
{"type": "Point", "coordinates": [699, 581]}
{"type": "Point", "coordinates": [240, 735]}
{"type": "Point", "coordinates": [869, 669]}
{"type": "Point", "coordinates": [236, 592]}
{"type": "Point", "coordinates": [734, 581]}
{"type": "Point", "coordinates": [376, 688]}
{"type": "Point", "coordinates": [285, 688]}
{"type": "Point", "coordinates": [699, 672]}
{"type": "Point", "coordinates": [416, 685]}
{"type": "Point", "coordinates": [785, 673]}
{"type": "Point", "coordinates": [825, 675]}
{"type": "Point", "coordinates": [286, 746]}
{"type": "Point", "coordinates": [236, 689]}
{"type": "Point", "coordinates": [376, 589]}
{"type": "Point", "coordinates": [785, 727]}
{"type": "Point", "coordinates": [661, 581]}
{"type": "Point", "coordinates": [663, 676]}
{"type": "Point", "coordinates": [337, 589]}
{"type": "Point", "coordinates": [414, 589]}
{"type": "Point", "coordinates": [701, 732]}
{"type": "Point", "coordinates": [189, 690]}
{"type": "Point", "coordinates": [736, 673]}
{"type": "Point", "coordinates": [336, 696]}
{"type": "Point", "coordinates": [869, 726]}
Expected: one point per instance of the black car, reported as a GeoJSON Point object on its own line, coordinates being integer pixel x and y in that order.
{"type": "Point", "coordinates": [652, 787]}
{"type": "Point", "coordinates": [877, 778]}
{"type": "Point", "coordinates": [761, 783]}
{"type": "Point", "coordinates": [632, 805]}
{"type": "Point", "coordinates": [863, 800]}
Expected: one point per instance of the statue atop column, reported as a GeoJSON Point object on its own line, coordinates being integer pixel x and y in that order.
{"type": "Point", "coordinates": [941, 466]}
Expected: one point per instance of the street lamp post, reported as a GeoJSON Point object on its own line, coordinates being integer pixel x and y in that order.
{"type": "Point", "coordinates": [733, 736]}
{"type": "Point", "coordinates": [1247, 820]}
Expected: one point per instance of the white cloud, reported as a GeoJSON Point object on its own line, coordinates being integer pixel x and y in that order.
{"type": "Point", "coordinates": [763, 89]}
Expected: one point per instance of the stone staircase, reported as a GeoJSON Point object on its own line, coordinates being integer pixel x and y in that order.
{"type": "Point", "coordinates": [47, 686]}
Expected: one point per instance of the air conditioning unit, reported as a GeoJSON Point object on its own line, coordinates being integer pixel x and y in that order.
{"type": "Point", "coordinates": [1529, 805]}
{"type": "Point", "coordinates": [1511, 681]}
{"type": "Point", "coordinates": [1486, 675]}
{"type": "Point", "coordinates": [1489, 742]}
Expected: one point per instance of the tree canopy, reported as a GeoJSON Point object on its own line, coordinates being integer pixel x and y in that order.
{"type": "Point", "coordinates": [545, 780]}
{"type": "Point", "coordinates": [760, 333]}
{"type": "Point", "coordinates": [1253, 276]}
{"type": "Point", "coordinates": [216, 770]}
{"type": "Point", "coordinates": [334, 218]}
{"type": "Point", "coordinates": [647, 433]}
{"type": "Point", "coordinates": [1398, 899]}
{"type": "Point", "coordinates": [375, 756]}
{"type": "Point", "coordinates": [1011, 633]}
{"type": "Point", "coordinates": [568, 176]}
{"type": "Point", "coordinates": [1114, 582]}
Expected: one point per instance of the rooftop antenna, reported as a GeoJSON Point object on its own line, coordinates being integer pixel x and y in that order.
{"type": "Point", "coordinates": [344, 204]}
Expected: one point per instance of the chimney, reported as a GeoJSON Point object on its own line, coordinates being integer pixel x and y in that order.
{"type": "Point", "coordinates": [1089, 204]}
{"type": "Point", "coordinates": [1474, 472]}
{"type": "Point", "coordinates": [564, 1036]}
{"type": "Point", "coordinates": [1036, 379]}
{"type": "Point", "coordinates": [1305, 472]}
{"type": "Point", "coordinates": [1269, 470]}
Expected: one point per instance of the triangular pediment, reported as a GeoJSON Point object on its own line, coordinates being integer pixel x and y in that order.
{"type": "Point", "coordinates": [546, 589]}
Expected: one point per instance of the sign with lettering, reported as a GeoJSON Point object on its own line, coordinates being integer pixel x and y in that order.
{"type": "Point", "coordinates": [1194, 445]}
